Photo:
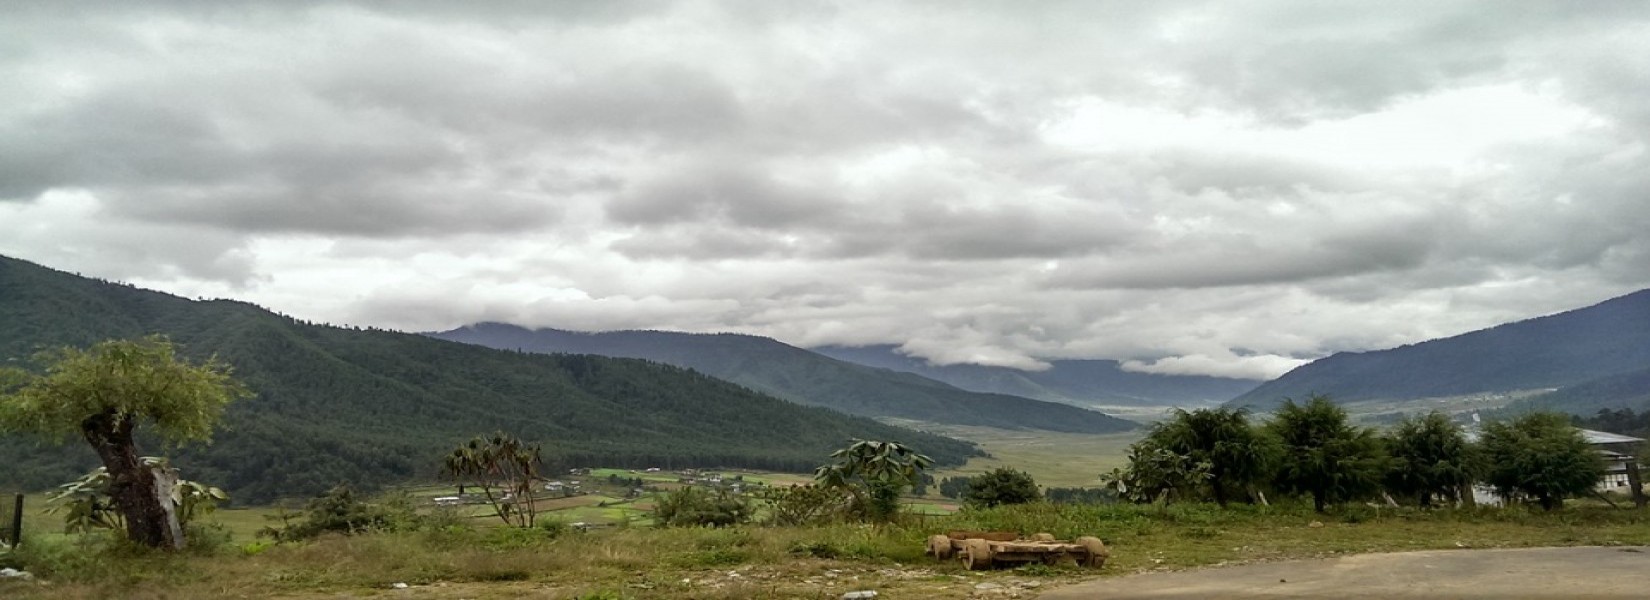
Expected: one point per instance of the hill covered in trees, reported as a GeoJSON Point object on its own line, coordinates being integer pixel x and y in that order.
{"type": "Point", "coordinates": [371, 407]}
{"type": "Point", "coordinates": [1604, 347]}
{"type": "Point", "coordinates": [1079, 382]}
{"type": "Point", "coordinates": [1630, 390]}
{"type": "Point", "coordinates": [789, 372]}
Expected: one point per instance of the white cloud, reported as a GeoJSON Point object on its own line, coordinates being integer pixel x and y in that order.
{"type": "Point", "coordinates": [1198, 188]}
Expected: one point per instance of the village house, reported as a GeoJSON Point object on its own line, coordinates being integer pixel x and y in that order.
{"type": "Point", "coordinates": [1618, 450]}
{"type": "Point", "coordinates": [1619, 459]}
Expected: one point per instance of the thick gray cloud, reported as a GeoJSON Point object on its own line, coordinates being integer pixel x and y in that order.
{"type": "Point", "coordinates": [1200, 187]}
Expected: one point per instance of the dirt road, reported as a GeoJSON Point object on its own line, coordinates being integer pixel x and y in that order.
{"type": "Point", "coordinates": [1589, 572]}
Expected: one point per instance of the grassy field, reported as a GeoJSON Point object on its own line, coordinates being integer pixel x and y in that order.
{"type": "Point", "coordinates": [474, 558]}
{"type": "Point", "coordinates": [762, 562]}
{"type": "Point", "coordinates": [1053, 459]}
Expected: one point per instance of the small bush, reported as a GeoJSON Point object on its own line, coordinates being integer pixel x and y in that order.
{"type": "Point", "coordinates": [695, 507]}
{"type": "Point", "coordinates": [339, 511]}
{"type": "Point", "coordinates": [206, 539]}
{"type": "Point", "coordinates": [257, 547]}
{"type": "Point", "coordinates": [553, 528]}
{"type": "Point", "coordinates": [796, 505]}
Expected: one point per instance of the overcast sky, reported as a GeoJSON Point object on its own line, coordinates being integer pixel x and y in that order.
{"type": "Point", "coordinates": [1226, 188]}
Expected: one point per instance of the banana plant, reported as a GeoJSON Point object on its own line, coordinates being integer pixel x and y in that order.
{"type": "Point", "coordinates": [874, 473]}
{"type": "Point", "coordinates": [85, 503]}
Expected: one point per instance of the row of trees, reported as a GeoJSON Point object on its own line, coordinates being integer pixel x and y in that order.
{"type": "Point", "coordinates": [1313, 449]}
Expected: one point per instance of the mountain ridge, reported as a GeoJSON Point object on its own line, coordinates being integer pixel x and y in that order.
{"type": "Point", "coordinates": [372, 407]}
{"type": "Point", "coordinates": [1090, 382]}
{"type": "Point", "coordinates": [770, 366]}
{"type": "Point", "coordinates": [1561, 350]}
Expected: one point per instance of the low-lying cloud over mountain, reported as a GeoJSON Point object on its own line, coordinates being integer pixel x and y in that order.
{"type": "Point", "coordinates": [1195, 188]}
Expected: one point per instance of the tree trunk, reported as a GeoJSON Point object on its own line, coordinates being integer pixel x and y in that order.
{"type": "Point", "coordinates": [131, 484]}
{"type": "Point", "coordinates": [1635, 484]}
{"type": "Point", "coordinates": [1219, 491]}
{"type": "Point", "coordinates": [1464, 495]}
{"type": "Point", "coordinates": [1255, 495]}
{"type": "Point", "coordinates": [1317, 501]}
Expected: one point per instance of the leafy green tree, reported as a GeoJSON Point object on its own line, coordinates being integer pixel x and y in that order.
{"type": "Point", "coordinates": [1431, 458]}
{"type": "Point", "coordinates": [1238, 454]}
{"type": "Point", "coordinates": [874, 473]}
{"type": "Point", "coordinates": [953, 487]}
{"type": "Point", "coordinates": [1542, 456]}
{"type": "Point", "coordinates": [1156, 474]}
{"type": "Point", "coordinates": [1324, 455]}
{"type": "Point", "coordinates": [920, 486]}
{"type": "Point", "coordinates": [1001, 486]}
{"type": "Point", "coordinates": [505, 469]}
{"type": "Point", "coordinates": [103, 394]}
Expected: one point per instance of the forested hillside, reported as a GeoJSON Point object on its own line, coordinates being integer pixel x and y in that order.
{"type": "Point", "coordinates": [1594, 344]}
{"type": "Point", "coordinates": [792, 373]}
{"type": "Point", "coordinates": [1630, 390]}
{"type": "Point", "coordinates": [371, 407]}
{"type": "Point", "coordinates": [1080, 382]}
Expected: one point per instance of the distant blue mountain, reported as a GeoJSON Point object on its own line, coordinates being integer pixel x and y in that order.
{"type": "Point", "coordinates": [1080, 382]}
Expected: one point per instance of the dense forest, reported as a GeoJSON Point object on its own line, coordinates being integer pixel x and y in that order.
{"type": "Point", "coordinates": [1593, 344]}
{"type": "Point", "coordinates": [1625, 390]}
{"type": "Point", "coordinates": [795, 374]}
{"type": "Point", "coordinates": [1623, 421]}
{"type": "Point", "coordinates": [371, 407]}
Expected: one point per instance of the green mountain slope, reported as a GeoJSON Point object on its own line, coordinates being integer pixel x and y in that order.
{"type": "Point", "coordinates": [1625, 390]}
{"type": "Point", "coordinates": [795, 374]}
{"type": "Point", "coordinates": [1080, 382]}
{"type": "Point", "coordinates": [372, 407]}
{"type": "Point", "coordinates": [1557, 351]}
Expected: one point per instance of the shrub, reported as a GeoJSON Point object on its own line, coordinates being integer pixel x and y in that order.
{"type": "Point", "coordinates": [1001, 486]}
{"type": "Point", "coordinates": [804, 505]}
{"type": "Point", "coordinates": [692, 506]}
{"type": "Point", "coordinates": [338, 511]}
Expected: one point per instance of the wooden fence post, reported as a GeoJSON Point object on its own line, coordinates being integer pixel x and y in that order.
{"type": "Point", "coordinates": [16, 522]}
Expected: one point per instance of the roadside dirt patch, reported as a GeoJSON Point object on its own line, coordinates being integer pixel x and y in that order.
{"type": "Point", "coordinates": [1584, 572]}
